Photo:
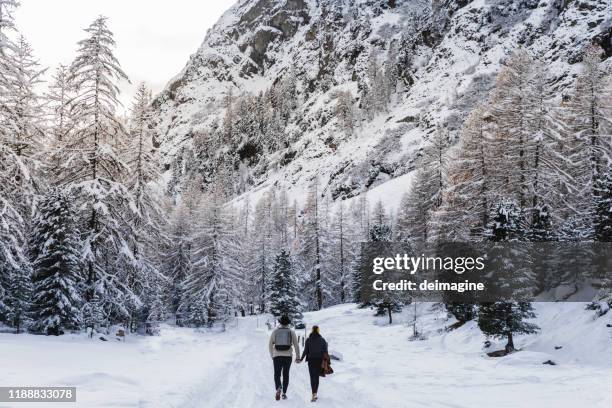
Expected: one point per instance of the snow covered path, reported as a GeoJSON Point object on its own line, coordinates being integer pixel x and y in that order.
{"type": "Point", "coordinates": [381, 367]}
{"type": "Point", "coordinates": [247, 380]}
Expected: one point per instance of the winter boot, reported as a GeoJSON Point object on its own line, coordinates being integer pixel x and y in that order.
{"type": "Point", "coordinates": [284, 396]}
{"type": "Point", "coordinates": [314, 398]}
{"type": "Point", "coordinates": [278, 394]}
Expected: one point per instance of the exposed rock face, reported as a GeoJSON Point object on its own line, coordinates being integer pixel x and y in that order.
{"type": "Point", "coordinates": [454, 47]}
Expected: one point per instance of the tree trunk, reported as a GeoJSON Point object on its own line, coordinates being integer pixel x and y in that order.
{"type": "Point", "coordinates": [510, 344]}
{"type": "Point", "coordinates": [390, 315]}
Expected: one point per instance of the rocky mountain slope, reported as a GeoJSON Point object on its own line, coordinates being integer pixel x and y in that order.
{"type": "Point", "coordinates": [322, 57]}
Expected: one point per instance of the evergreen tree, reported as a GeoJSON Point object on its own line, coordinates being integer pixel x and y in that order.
{"type": "Point", "coordinates": [503, 319]}
{"type": "Point", "coordinates": [385, 302]}
{"type": "Point", "coordinates": [94, 317]}
{"type": "Point", "coordinates": [18, 297]}
{"type": "Point", "coordinates": [283, 289]}
{"type": "Point", "coordinates": [55, 253]}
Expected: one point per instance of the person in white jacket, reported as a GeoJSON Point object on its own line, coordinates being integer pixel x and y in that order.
{"type": "Point", "coordinates": [283, 342]}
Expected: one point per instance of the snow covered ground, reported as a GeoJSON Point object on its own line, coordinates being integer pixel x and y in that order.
{"type": "Point", "coordinates": [381, 367]}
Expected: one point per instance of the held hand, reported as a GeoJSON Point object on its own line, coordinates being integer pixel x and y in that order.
{"type": "Point", "coordinates": [298, 360]}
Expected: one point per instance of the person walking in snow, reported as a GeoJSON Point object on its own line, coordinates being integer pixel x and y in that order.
{"type": "Point", "coordinates": [315, 352]}
{"type": "Point", "coordinates": [283, 341]}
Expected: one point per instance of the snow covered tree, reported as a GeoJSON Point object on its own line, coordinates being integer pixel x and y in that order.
{"type": "Point", "coordinates": [503, 319]}
{"type": "Point", "coordinates": [391, 69]}
{"type": "Point", "coordinates": [59, 101]}
{"type": "Point", "coordinates": [311, 246]}
{"type": "Point", "coordinates": [342, 254]}
{"type": "Point", "coordinates": [212, 286]}
{"type": "Point", "coordinates": [95, 172]}
{"type": "Point", "coordinates": [55, 253]}
{"type": "Point", "coordinates": [414, 211]}
{"type": "Point", "coordinates": [464, 212]}
{"type": "Point", "coordinates": [375, 95]}
{"type": "Point", "coordinates": [345, 112]}
{"type": "Point", "coordinates": [283, 290]}
{"type": "Point", "coordinates": [18, 297]}
{"type": "Point", "coordinates": [21, 116]}
{"type": "Point", "coordinates": [603, 222]}
{"type": "Point", "coordinates": [380, 231]}
{"type": "Point", "coordinates": [262, 247]}
{"type": "Point", "coordinates": [94, 317]}
{"type": "Point", "coordinates": [144, 224]}
{"type": "Point", "coordinates": [59, 107]}
{"type": "Point", "coordinates": [587, 115]}
{"type": "Point", "coordinates": [24, 104]}
{"type": "Point", "coordinates": [426, 194]}
{"type": "Point", "coordinates": [16, 183]}
{"type": "Point", "coordinates": [588, 112]}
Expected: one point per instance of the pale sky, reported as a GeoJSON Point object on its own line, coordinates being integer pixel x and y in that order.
{"type": "Point", "coordinates": [154, 38]}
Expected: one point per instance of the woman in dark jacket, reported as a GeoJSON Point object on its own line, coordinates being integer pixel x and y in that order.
{"type": "Point", "coordinates": [315, 350]}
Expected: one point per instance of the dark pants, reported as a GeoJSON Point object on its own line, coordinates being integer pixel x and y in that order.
{"type": "Point", "coordinates": [314, 368]}
{"type": "Point", "coordinates": [282, 364]}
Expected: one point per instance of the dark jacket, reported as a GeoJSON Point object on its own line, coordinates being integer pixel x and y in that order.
{"type": "Point", "coordinates": [315, 347]}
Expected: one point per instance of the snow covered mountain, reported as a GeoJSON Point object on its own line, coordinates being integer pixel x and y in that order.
{"type": "Point", "coordinates": [282, 91]}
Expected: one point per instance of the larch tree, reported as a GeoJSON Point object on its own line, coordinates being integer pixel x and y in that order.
{"type": "Point", "coordinates": [96, 173]}
{"type": "Point", "coordinates": [59, 98]}
{"type": "Point", "coordinates": [16, 181]}
{"type": "Point", "coordinates": [311, 241]}
{"type": "Point", "coordinates": [587, 114]}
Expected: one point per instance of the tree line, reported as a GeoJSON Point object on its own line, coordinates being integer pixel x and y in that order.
{"type": "Point", "coordinates": [88, 239]}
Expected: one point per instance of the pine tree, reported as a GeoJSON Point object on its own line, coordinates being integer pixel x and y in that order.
{"type": "Point", "coordinates": [93, 314]}
{"type": "Point", "coordinates": [283, 289]}
{"type": "Point", "coordinates": [503, 319]}
{"type": "Point", "coordinates": [55, 253]}
{"type": "Point", "coordinates": [380, 231]}
{"type": "Point", "coordinates": [18, 297]}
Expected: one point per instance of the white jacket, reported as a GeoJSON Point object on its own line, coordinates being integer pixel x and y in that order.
{"type": "Point", "coordinates": [284, 353]}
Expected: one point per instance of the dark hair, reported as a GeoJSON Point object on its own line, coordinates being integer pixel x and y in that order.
{"type": "Point", "coordinates": [284, 320]}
